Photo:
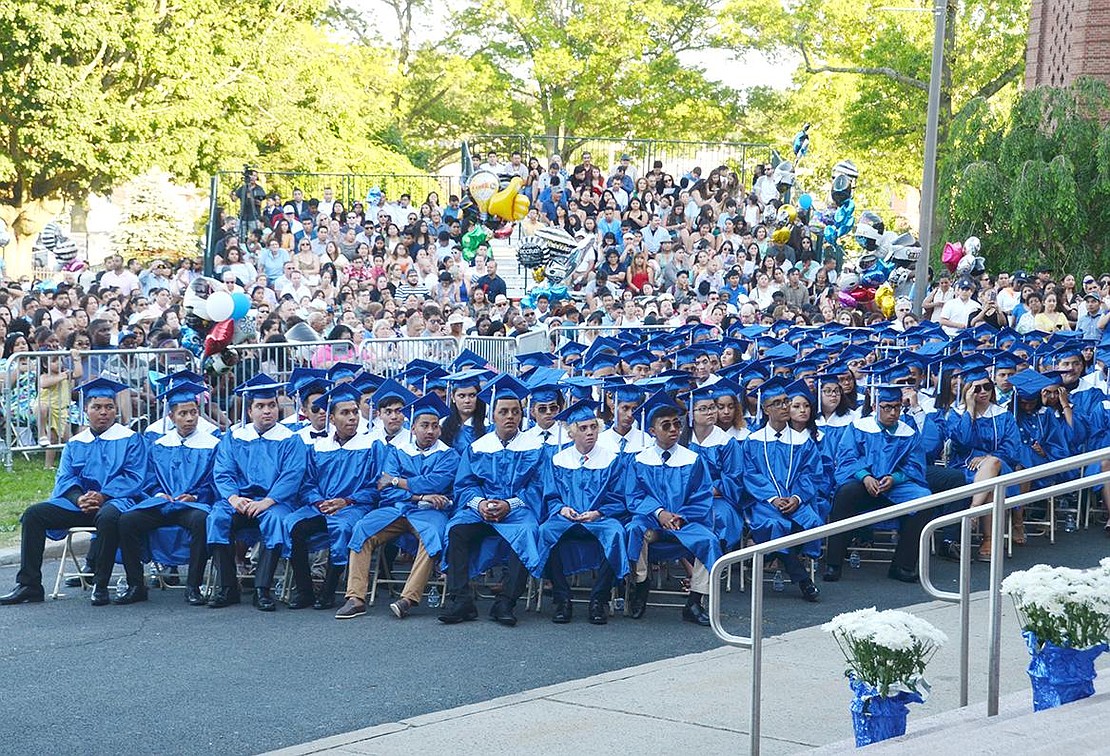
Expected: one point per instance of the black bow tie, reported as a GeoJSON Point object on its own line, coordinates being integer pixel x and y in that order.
{"type": "Point", "coordinates": [318, 434]}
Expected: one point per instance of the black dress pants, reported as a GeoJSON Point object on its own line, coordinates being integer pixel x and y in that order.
{"type": "Point", "coordinates": [134, 525]}
{"type": "Point", "coordinates": [465, 538]}
{"type": "Point", "coordinates": [852, 499]}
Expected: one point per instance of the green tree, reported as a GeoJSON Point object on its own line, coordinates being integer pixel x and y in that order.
{"type": "Point", "coordinates": [862, 72]}
{"type": "Point", "coordinates": [1033, 183]}
{"type": "Point", "coordinates": [603, 67]}
{"type": "Point", "coordinates": [94, 93]}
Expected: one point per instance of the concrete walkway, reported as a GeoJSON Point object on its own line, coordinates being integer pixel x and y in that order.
{"type": "Point", "coordinates": [697, 703]}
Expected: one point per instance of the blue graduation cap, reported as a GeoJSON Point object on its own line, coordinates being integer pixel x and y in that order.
{"type": "Point", "coordinates": [341, 392]}
{"type": "Point", "coordinates": [436, 378]}
{"type": "Point", "coordinates": [420, 365]}
{"type": "Point", "coordinates": [799, 388]}
{"type": "Point", "coordinates": [580, 412]}
{"type": "Point", "coordinates": [571, 350]}
{"type": "Point", "coordinates": [367, 383]}
{"type": "Point", "coordinates": [854, 353]}
{"type": "Point", "coordinates": [1006, 361]}
{"type": "Point", "coordinates": [708, 392]}
{"type": "Point", "coordinates": [260, 386]}
{"type": "Point", "coordinates": [727, 387]}
{"type": "Point", "coordinates": [469, 359]}
{"type": "Point", "coordinates": [885, 392]}
{"type": "Point", "coordinates": [624, 393]}
{"type": "Point", "coordinates": [932, 348]}
{"type": "Point", "coordinates": [750, 332]}
{"type": "Point", "coordinates": [392, 390]}
{"type": "Point", "coordinates": [701, 331]}
{"type": "Point", "coordinates": [773, 388]}
{"type": "Point", "coordinates": [1074, 349]}
{"type": "Point", "coordinates": [1029, 383]}
{"type": "Point", "coordinates": [536, 360]}
{"type": "Point", "coordinates": [974, 374]}
{"type": "Point", "coordinates": [182, 393]}
{"type": "Point", "coordinates": [655, 403]}
{"type": "Point", "coordinates": [470, 378]}
{"type": "Point", "coordinates": [639, 357]}
{"type": "Point", "coordinates": [342, 371]}
{"type": "Point", "coordinates": [601, 361]}
{"type": "Point", "coordinates": [501, 386]}
{"type": "Point", "coordinates": [781, 352]}
{"type": "Point", "coordinates": [581, 387]}
{"type": "Point", "coordinates": [181, 376]}
{"type": "Point", "coordinates": [688, 355]}
{"type": "Point", "coordinates": [542, 376]}
{"type": "Point", "coordinates": [429, 404]}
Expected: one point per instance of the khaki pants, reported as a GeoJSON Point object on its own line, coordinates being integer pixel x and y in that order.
{"type": "Point", "coordinates": [358, 564]}
{"type": "Point", "coordinates": [699, 578]}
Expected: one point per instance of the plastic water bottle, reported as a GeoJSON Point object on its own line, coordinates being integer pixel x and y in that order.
{"type": "Point", "coordinates": [854, 560]}
{"type": "Point", "coordinates": [433, 598]}
{"type": "Point", "coordinates": [1070, 525]}
{"type": "Point", "coordinates": [121, 584]}
{"type": "Point", "coordinates": [618, 604]}
{"type": "Point", "coordinates": [777, 584]}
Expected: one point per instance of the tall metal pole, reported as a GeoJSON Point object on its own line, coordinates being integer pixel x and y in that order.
{"type": "Point", "coordinates": [213, 225]}
{"type": "Point", "coordinates": [929, 179]}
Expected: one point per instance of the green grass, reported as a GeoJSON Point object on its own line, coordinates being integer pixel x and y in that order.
{"type": "Point", "coordinates": [26, 484]}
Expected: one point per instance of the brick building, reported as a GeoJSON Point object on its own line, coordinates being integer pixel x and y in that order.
{"type": "Point", "coordinates": [1067, 39]}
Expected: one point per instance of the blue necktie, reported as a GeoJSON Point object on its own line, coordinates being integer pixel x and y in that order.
{"type": "Point", "coordinates": [666, 456]}
{"type": "Point", "coordinates": [624, 443]}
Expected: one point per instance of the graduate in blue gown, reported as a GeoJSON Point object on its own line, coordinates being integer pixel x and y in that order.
{"type": "Point", "coordinates": [467, 419]}
{"type": "Point", "coordinates": [833, 415]}
{"type": "Point", "coordinates": [880, 462]}
{"type": "Point", "coordinates": [417, 479]}
{"type": "Point", "coordinates": [623, 436]}
{"type": "Point", "coordinates": [722, 456]}
{"type": "Point", "coordinates": [545, 402]}
{"type": "Point", "coordinates": [313, 412]}
{"type": "Point", "coordinates": [179, 491]}
{"type": "Point", "coordinates": [164, 424]}
{"type": "Point", "coordinates": [782, 481]}
{"type": "Point", "coordinates": [301, 379]}
{"type": "Point", "coordinates": [985, 440]}
{"type": "Point", "coordinates": [670, 493]}
{"type": "Point", "coordinates": [390, 399]}
{"type": "Point", "coordinates": [584, 505]}
{"type": "Point", "coordinates": [100, 476]}
{"type": "Point", "coordinates": [258, 472]}
{"type": "Point", "coordinates": [498, 492]}
{"type": "Point", "coordinates": [338, 491]}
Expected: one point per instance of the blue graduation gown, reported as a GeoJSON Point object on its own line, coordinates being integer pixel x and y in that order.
{"type": "Point", "coordinates": [723, 458]}
{"type": "Point", "coordinates": [628, 445]}
{"type": "Point", "coordinates": [556, 440]}
{"type": "Point", "coordinates": [681, 485]}
{"type": "Point", "coordinates": [832, 430]}
{"type": "Point", "coordinates": [789, 465]}
{"type": "Point", "coordinates": [247, 464]}
{"type": "Point", "coordinates": [465, 437]}
{"type": "Point", "coordinates": [995, 433]}
{"type": "Point", "coordinates": [593, 484]}
{"type": "Point", "coordinates": [868, 449]}
{"type": "Point", "coordinates": [113, 463]}
{"type": "Point", "coordinates": [1047, 428]}
{"type": "Point", "coordinates": [181, 466]}
{"type": "Point", "coordinates": [489, 470]}
{"type": "Point", "coordinates": [334, 472]}
{"type": "Point", "coordinates": [164, 425]}
{"type": "Point", "coordinates": [427, 471]}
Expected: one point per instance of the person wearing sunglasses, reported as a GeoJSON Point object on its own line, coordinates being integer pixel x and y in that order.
{"type": "Point", "coordinates": [985, 439]}
{"type": "Point", "coordinates": [671, 494]}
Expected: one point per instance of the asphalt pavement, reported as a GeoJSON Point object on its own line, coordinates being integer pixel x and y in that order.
{"type": "Point", "coordinates": [163, 677]}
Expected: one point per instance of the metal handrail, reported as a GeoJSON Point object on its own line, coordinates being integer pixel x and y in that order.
{"type": "Point", "coordinates": [996, 508]}
{"type": "Point", "coordinates": [755, 552]}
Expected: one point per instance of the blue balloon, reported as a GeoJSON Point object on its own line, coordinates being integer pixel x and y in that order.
{"type": "Point", "coordinates": [242, 305]}
{"type": "Point", "coordinates": [805, 201]}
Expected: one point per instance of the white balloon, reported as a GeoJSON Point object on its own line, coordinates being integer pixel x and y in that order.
{"type": "Point", "coordinates": [220, 306]}
{"type": "Point", "coordinates": [972, 245]}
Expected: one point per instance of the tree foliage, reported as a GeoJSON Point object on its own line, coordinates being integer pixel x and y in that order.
{"type": "Point", "coordinates": [1033, 184]}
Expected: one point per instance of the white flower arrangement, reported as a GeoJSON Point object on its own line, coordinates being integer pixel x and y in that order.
{"type": "Point", "coordinates": [888, 649]}
{"type": "Point", "coordinates": [1063, 605]}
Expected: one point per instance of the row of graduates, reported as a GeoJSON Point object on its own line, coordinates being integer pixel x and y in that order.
{"type": "Point", "coordinates": [768, 477]}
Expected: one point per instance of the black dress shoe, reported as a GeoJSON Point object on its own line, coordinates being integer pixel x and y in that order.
{"type": "Point", "coordinates": [132, 595]}
{"type": "Point", "coordinates": [809, 591]}
{"type": "Point", "coordinates": [23, 594]}
{"type": "Point", "coordinates": [695, 612]}
{"type": "Point", "coordinates": [100, 597]}
{"type": "Point", "coordinates": [637, 599]}
{"type": "Point", "coordinates": [193, 597]}
{"type": "Point", "coordinates": [457, 610]}
{"type": "Point", "coordinates": [831, 573]}
{"type": "Point", "coordinates": [324, 601]}
{"type": "Point", "coordinates": [301, 601]}
{"type": "Point", "coordinates": [949, 550]}
{"type": "Point", "coordinates": [599, 612]}
{"type": "Point", "coordinates": [73, 581]}
{"type": "Point", "coordinates": [264, 600]}
{"type": "Point", "coordinates": [902, 574]}
{"type": "Point", "coordinates": [502, 612]}
{"type": "Point", "coordinates": [224, 597]}
{"type": "Point", "coordinates": [563, 613]}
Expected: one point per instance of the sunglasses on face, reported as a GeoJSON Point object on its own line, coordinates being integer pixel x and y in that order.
{"type": "Point", "coordinates": [982, 388]}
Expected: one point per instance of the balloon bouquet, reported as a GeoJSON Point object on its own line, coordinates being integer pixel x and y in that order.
{"type": "Point", "coordinates": [215, 319]}
{"type": "Point", "coordinates": [491, 201]}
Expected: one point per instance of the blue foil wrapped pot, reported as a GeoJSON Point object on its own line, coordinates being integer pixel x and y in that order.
{"type": "Point", "coordinates": [876, 717]}
{"type": "Point", "coordinates": [1059, 674]}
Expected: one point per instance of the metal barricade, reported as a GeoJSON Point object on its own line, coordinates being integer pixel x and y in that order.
{"type": "Point", "coordinates": [999, 507]}
{"type": "Point", "coordinates": [586, 334]}
{"type": "Point", "coordinates": [41, 409]}
{"type": "Point", "coordinates": [500, 351]}
{"type": "Point", "coordinates": [387, 357]}
{"type": "Point", "coordinates": [277, 361]}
